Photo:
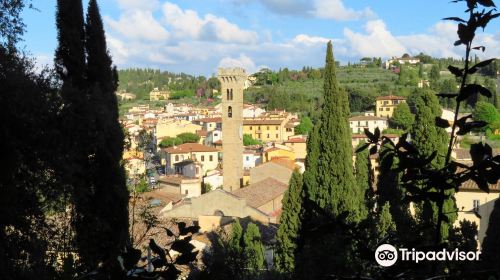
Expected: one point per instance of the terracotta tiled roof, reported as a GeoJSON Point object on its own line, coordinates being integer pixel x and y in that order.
{"type": "Point", "coordinates": [290, 164]}
{"type": "Point", "coordinates": [261, 122]}
{"type": "Point", "coordinates": [162, 195]}
{"type": "Point", "coordinates": [202, 133]}
{"type": "Point", "coordinates": [367, 118]}
{"type": "Point", "coordinates": [189, 147]}
{"type": "Point", "coordinates": [260, 193]}
{"type": "Point", "coordinates": [391, 97]}
{"type": "Point", "coordinates": [207, 120]}
{"type": "Point", "coordinates": [296, 140]}
{"type": "Point", "coordinates": [472, 186]}
{"type": "Point", "coordinates": [175, 179]}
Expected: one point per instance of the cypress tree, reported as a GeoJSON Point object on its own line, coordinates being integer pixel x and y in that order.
{"type": "Point", "coordinates": [329, 187]}
{"type": "Point", "coordinates": [363, 178]}
{"type": "Point", "coordinates": [290, 222]}
{"type": "Point", "coordinates": [104, 203]}
{"type": "Point", "coordinates": [385, 224]}
{"type": "Point", "coordinates": [335, 191]}
{"type": "Point", "coordinates": [253, 248]}
{"type": "Point", "coordinates": [427, 138]}
{"type": "Point", "coordinates": [491, 242]}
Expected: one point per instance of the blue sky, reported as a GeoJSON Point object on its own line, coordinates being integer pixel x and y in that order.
{"type": "Point", "coordinates": [197, 36]}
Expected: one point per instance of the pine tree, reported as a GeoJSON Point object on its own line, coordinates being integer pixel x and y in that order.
{"type": "Point", "coordinates": [427, 138]}
{"type": "Point", "coordinates": [253, 248]}
{"type": "Point", "coordinates": [402, 118]}
{"type": "Point", "coordinates": [491, 243]}
{"type": "Point", "coordinates": [290, 222]}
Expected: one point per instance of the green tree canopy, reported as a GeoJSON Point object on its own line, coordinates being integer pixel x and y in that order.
{"type": "Point", "coordinates": [487, 112]}
{"type": "Point", "coordinates": [169, 142]}
{"type": "Point", "coordinates": [249, 141]}
{"type": "Point", "coordinates": [188, 137]}
{"type": "Point", "coordinates": [402, 118]}
{"type": "Point", "coordinates": [290, 222]}
{"type": "Point", "coordinates": [253, 248]}
{"type": "Point", "coordinates": [304, 127]}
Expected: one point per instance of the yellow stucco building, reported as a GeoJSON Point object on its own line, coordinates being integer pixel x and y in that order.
{"type": "Point", "coordinates": [385, 105]}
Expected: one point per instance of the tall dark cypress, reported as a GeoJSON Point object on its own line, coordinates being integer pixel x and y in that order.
{"type": "Point", "coordinates": [330, 188]}
{"type": "Point", "coordinates": [107, 198]}
{"type": "Point", "coordinates": [335, 191]}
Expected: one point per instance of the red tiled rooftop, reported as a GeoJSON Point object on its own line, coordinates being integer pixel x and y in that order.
{"type": "Point", "coordinates": [260, 193]}
{"type": "Point", "coordinates": [391, 97]}
{"type": "Point", "coordinates": [189, 147]}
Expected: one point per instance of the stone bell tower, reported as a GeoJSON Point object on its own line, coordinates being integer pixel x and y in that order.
{"type": "Point", "coordinates": [232, 83]}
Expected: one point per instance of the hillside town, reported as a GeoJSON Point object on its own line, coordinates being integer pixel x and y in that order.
{"type": "Point", "coordinates": [217, 177]}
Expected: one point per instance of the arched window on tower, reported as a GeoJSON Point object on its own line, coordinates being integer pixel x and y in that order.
{"type": "Point", "coordinates": [231, 94]}
{"type": "Point", "coordinates": [230, 112]}
{"type": "Point", "coordinates": [228, 95]}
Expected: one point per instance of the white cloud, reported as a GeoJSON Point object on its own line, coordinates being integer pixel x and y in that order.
{"type": "Point", "coordinates": [309, 40]}
{"type": "Point", "coordinates": [138, 25]}
{"type": "Point", "coordinates": [378, 41]}
{"type": "Point", "coordinates": [131, 5]}
{"type": "Point", "coordinates": [242, 61]}
{"type": "Point", "coordinates": [335, 9]}
{"type": "Point", "coordinates": [209, 28]}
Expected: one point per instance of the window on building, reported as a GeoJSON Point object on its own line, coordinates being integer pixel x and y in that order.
{"type": "Point", "coordinates": [267, 127]}
{"type": "Point", "coordinates": [475, 205]}
{"type": "Point", "coordinates": [231, 94]}
{"type": "Point", "coordinates": [250, 127]}
{"type": "Point", "coordinates": [268, 135]}
{"type": "Point", "coordinates": [247, 158]}
{"type": "Point", "coordinates": [277, 136]}
{"type": "Point", "coordinates": [381, 109]}
{"type": "Point", "coordinates": [197, 170]}
{"type": "Point", "coordinates": [230, 112]}
{"type": "Point", "coordinates": [227, 95]}
{"type": "Point", "coordinates": [211, 158]}
{"type": "Point", "coordinates": [386, 102]}
{"type": "Point", "coordinates": [186, 192]}
{"type": "Point", "coordinates": [176, 157]}
{"type": "Point", "coordinates": [387, 109]}
{"type": "Point", "coordinates": [202, 158]}
{"type": "Point", "coordinates": [277, 128]}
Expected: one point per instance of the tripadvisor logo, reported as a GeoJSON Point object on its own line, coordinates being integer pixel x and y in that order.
{"type": "Point", "coordinates": [387, 255]}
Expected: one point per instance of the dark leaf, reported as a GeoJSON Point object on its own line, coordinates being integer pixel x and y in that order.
{"type": "Point", "coordinates": [377, 133]}
{"type": "Point", "coordinates": [186, 258]}
{"type": "Point", "coordinates": [157, 249]}
{"type": "Point", "coordinates": [442, 123]}
{"type": "Point", "coordinates": [182, 228]}
{"type": "Point", "coordinates": [373, 150]}
{"type": "Point", "coordinates": [447, 95]}
{"type": "Point", "coordinates": [482, 48]}
{"type": "Point", "coordinates": [481, 183]}
{"type": "Point", "coordinates": [486, 3]}
{"type": "Point", "coordinates": [474, 68]}
{"type": "Point", "coordinates": [362, 148]}
{"type": "Point", "coordinates": [169, 232]}
{"type": "Point", "coordinates": [158, 262]}
{"type": "Point", "coordinates": [476, 213]}
{"type": "Point", "coordinates": [458, 42]}
{"type": "Point", "coordinates": [183, 245]}
{"type": "Point", "coordinates": [455, 19]}
{"type": "Point", "coordinates": [193, 229]}
{"type": "Point", "coordinates": [456, 71]}
{"type": "Point", "coordinates": [471, 89]}
{"type": "Point", "coordinates": [371, 136]}
{"type": "Point", "coordinates": [468, 127]}
{"type": "Point", "coordinates": [466, 33]}
{"type": "Point", "coordinates": [170, 273]}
